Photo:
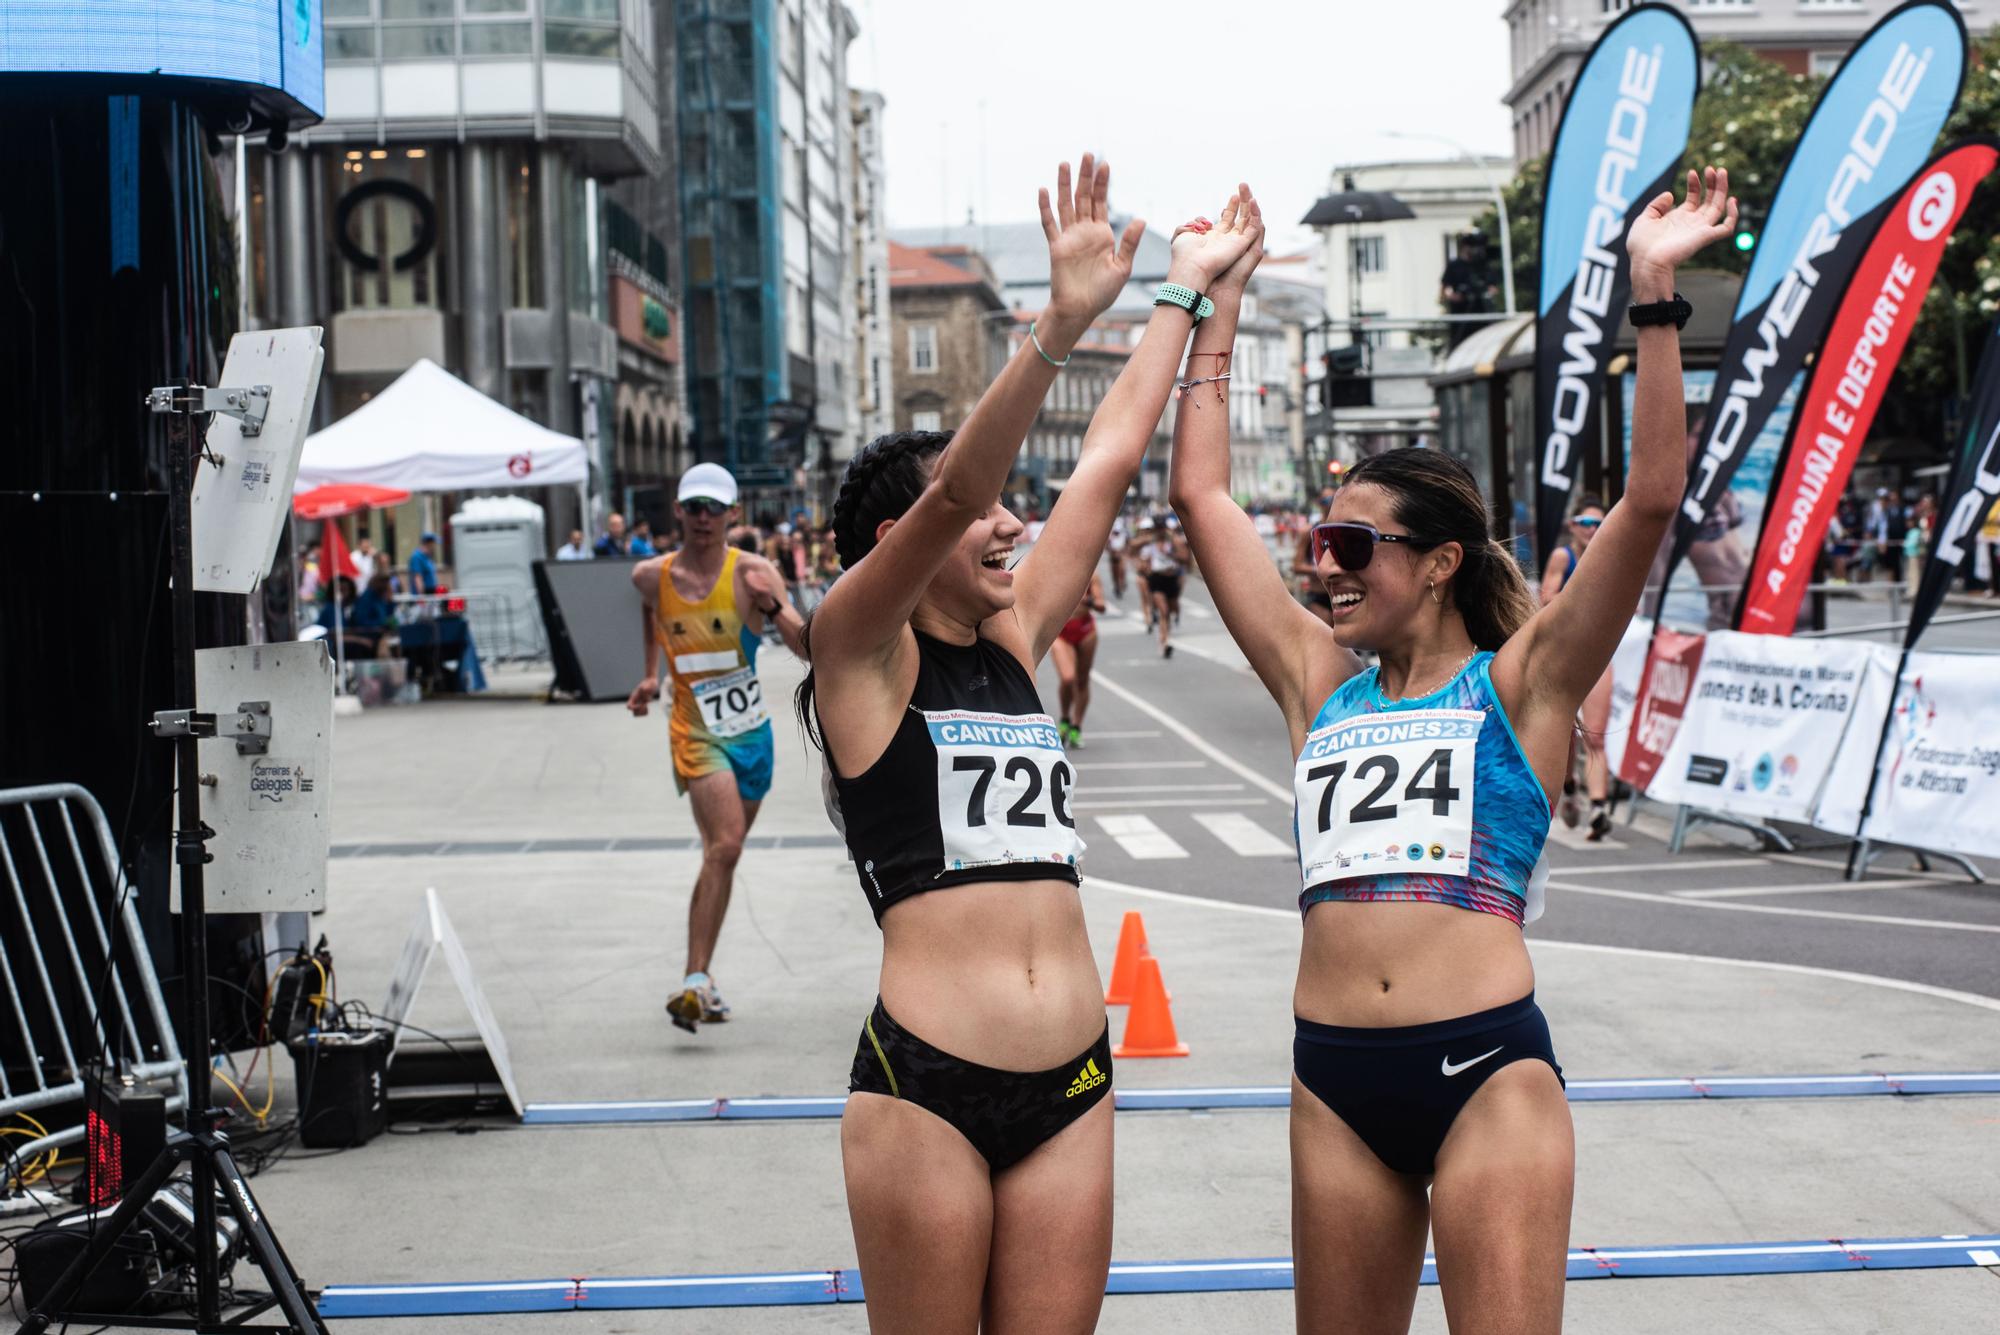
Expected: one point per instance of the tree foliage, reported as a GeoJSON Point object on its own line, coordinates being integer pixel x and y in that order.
{"type": "Point", "coordinates": [1750, 113]}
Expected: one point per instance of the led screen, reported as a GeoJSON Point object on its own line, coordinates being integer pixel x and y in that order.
{"type": "Point", "coordinates": [274, 44]}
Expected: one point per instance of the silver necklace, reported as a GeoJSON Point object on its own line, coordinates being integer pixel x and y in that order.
{"type": "Point", "coordinates": [1412, 695]}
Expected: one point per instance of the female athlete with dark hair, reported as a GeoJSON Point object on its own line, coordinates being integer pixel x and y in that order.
{"type": "Point", "coordinates": [1424, 787]}
{"type": "Point", "coordinates": [977, 1139]}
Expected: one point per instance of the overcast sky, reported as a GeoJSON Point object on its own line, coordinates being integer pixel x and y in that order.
{"type": "Point", "coordinates": [985, 96]}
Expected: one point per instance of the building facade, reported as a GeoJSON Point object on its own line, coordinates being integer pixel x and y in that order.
{"type": "Point", "coordinates": [1393, 269]}
{"type": "Point", "coordinates": [874, 381]}
{"type": "Point", "coordinates": [765, 128]}
{"type": "Point", "coordinates": [947, 337]}
{"type": "Point", "coordinates": [451, 203]}
{"type": "Point", "coordinates": [1548, 40]}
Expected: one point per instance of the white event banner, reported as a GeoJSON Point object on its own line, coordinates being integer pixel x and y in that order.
{"type": "Point", "coordinates": [1940, 781]}
{"type": "Point", "coordinates": [1763, 725]}
{"type": "Point", "coordinates": [1628, 665]}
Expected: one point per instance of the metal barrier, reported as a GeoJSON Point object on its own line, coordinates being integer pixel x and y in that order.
{"type": "Point", "coordinates": [506, 625]}
{"type": "Point", "coordinates": [62, 911]}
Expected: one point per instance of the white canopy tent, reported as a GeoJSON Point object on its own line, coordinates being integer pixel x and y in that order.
{"type": "Point", "coordinates": [430, 431]}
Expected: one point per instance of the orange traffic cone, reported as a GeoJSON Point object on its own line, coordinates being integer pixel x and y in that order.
{"type": "Point", "coordinates": [1125, 964]}
{"type": "Point", "coordinates": [1149, 1026]}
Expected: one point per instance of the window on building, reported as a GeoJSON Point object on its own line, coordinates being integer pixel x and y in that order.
{"type": "Point", "coordinates": [1368, 254]}
{"type": "Point", "coordinates": [927, 421]}
{"type": "Point", "coordinates": [1824, 63]}
{"type": "Point", "coordinates": [923, 347]}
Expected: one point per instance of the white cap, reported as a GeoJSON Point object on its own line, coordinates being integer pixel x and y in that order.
{"type": "Point", "coordinates": [708, 482]}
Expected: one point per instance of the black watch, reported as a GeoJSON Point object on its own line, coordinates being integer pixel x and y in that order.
{"type": "Point", "coordinates": [1674, 312]}
{"type": "Point", "coordinates": [771, 611]}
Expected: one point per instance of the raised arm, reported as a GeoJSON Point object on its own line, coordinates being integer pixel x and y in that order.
{"type": "Point", "coordinates": [1560, 654]}
{"type": "Point", "coordinates": [1292, 652]}
{"type": "Point", "coordinates": [1053, 576]}
{"type": "Point", "coordinates": [864, 615]}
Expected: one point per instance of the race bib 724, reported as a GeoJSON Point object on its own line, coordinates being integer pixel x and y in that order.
{"type": "Point", "coordinates": [1388, 792]}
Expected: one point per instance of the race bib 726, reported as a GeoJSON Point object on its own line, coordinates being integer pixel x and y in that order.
{"type": "Point", "coordinates": [1004, 789]}
{"type": "Point", "coordinates": [1389, 792]}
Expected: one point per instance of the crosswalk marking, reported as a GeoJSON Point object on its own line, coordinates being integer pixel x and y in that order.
{"type": "Point", "coordinates": [1212, 800]}
{"type": "Point", "coordinates": [1140, 838]}
{"type": "Point", "coordinates": [1243, 836]}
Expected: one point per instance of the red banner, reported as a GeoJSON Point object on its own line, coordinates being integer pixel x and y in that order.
{"type": "Point", "coordinates": [1855, 364]}
{"type": "Point", "coordinates": [1664, 689]}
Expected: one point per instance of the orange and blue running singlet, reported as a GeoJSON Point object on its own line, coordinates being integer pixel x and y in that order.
{"type": "Point", "coordinates": [718, 719]}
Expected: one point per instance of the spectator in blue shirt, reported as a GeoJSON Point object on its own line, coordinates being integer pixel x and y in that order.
{"type": "Point", "coordinates": [423, 565]}
{"type": "Point", "coordinates": [641, 543]}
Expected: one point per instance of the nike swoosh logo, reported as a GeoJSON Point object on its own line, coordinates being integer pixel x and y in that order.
{"type": "Point", "coordinates": [1449, 1069]}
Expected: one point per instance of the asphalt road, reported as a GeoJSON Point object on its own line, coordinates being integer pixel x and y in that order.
{"type": "Point", "coordinates": [1184, 786]}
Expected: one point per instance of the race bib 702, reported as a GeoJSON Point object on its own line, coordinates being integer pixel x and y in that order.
{"type": "Point", "coordinates": [1386, 793]}
{"type": "Point", "coordinates": [1004, 788]}
{"type": "Point", "coordinates": [731, 704]}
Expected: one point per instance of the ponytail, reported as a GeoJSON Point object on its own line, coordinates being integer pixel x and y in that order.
{"type": "Point", "coordinates": [1491, 594]}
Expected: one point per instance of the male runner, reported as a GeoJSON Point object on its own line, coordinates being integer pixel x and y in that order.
{"type": "Point", "coordinates": [708, 604]}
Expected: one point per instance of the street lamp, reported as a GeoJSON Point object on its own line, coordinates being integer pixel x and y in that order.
{"type": "Point", "coordinates": [1499, 202]}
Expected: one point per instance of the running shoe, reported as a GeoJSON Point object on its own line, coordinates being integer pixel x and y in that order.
{"type": "Point", "coordinates": [1570, 808]}
{"type": "Point", "coordinates": [1600, 825]}
{"type": "Point", "coordinates": [714, 1010]}
{"type": "Point", "coordinates": [1064, 732]}
{"type": "Point", "coordinates": [690, 1006]}
{"type": "Point", "coordinates": [1076, 736]}
{"type": "Point", "coordinates": [1166, 651]}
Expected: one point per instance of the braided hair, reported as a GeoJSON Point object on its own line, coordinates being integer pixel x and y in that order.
{"type": "Point", "coordinates": [883, 480]}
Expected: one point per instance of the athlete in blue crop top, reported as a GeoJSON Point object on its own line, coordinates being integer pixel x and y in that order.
{"type": "Point", "coordinates": [977, 1136]}
{"type": "Point", "coordinates": [1423, 792]}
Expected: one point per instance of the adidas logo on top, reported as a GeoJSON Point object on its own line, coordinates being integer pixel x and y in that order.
{"type": "Point", "coordinates": [1087, 1079]}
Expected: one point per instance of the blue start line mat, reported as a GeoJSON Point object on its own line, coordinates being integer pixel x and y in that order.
{"type": "Point", "coordinates": [814, 1287]}
{"type": "Point", "coordinates": [1280, 1096]}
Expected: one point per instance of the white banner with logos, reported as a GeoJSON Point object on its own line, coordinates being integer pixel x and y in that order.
{"type": "Point", "coordinates": [1764, 725]}
{"type": "Point", "coordinates": [1940, 782]}
{"type": "Point", "coordinates": [1628, 665]}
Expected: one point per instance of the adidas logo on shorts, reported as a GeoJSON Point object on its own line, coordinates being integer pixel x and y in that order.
{"type": "Point", "coordinates": [1087, 1079]}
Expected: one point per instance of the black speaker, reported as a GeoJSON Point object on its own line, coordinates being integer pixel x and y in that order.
{"type": "Point", "coordinates": [343, 1090]}
{"type": "Point", "coordinates": [591, 612]}
{"type": "Point", "coordinates": [119, 1285]}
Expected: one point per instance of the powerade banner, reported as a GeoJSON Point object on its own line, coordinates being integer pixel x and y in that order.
{"type": "Point", "coordinates": [1623, 131]}
{"type": "Point", "coordinates": [1862, 348]}
{"type": "Point", "coordinates": [1871, 130]}
{"type": "Point", "coordinates": [1969, 496]}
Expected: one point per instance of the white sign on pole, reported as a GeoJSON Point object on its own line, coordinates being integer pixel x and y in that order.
{"type": "Point", "coordinates": [1763, 725]}
{"type": "Point", "coordinates": [269, 802]}
{"type": "Point", "coordinates": [243, 484]}
{"type": "Point", "coordinates": [1940, 780]}
{"type": "Point", "coordinates": [1628, 664]}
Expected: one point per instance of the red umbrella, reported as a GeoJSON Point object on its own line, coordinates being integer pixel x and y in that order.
{"type": "Point", "coordinates": [344, 498]}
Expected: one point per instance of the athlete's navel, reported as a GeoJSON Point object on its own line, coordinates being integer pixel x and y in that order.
{"type": "Point", "coordinates": [1385, 985]}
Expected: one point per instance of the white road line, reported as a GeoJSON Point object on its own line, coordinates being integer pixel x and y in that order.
{"type": "Point", "coordinates": [1123, 803]}
{"type": "Point", "coordinates": [1197, 611]}
{"type": "Point", "coordinates": [1128, 735]}
{"type": "Point", "coordinates": [1233, 660]}
{"type": "Point", "coordinates": [1810, 888]}
{"type": "Point", "coordinates": [1874, 919]}
{"type": "Point", "coordinates": [1243, 836]}
{"type": "Point", "coordinates": [1140, 838]}
{"type": "Point", "coordinates": [1803, 860]}
{"type": "Point", "coordinates": [1194, 739]}
{"type": "Point", "coordinates": [1632, 952]}
{"type": "Point", "coordinates": [1984, 1257]}
{"type": "Point", "coordinates": [1623, 868]}
{"type": "Point", "coordinates": [1097, 788]}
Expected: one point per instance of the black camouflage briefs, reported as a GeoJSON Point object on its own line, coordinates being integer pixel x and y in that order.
{"type": "Point", "coordinates": [1005, 1114]}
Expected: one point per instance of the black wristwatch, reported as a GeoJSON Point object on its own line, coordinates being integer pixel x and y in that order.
{"type": "Point", "coordinates": [1674, 312]}
{"type": "Point", "coordinates": [771, 611]}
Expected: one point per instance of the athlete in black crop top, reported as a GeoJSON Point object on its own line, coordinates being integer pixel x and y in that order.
{"type": "Point", "coordinates": [977, 1139]}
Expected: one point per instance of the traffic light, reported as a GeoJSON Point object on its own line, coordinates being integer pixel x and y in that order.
{"type": "Point", "coordinates": [1346, 383]}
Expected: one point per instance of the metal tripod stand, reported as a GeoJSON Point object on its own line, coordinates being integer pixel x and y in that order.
{"type": "Point", "coordinates": [202, 1146]}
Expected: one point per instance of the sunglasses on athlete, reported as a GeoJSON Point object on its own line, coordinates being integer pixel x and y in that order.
{"type": "Point", "coordinates": [1353, 545]}
{"type": "Point", "coordinates": [1586, 522]}
{"type": "Point", "coordinates": [701, 506]}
